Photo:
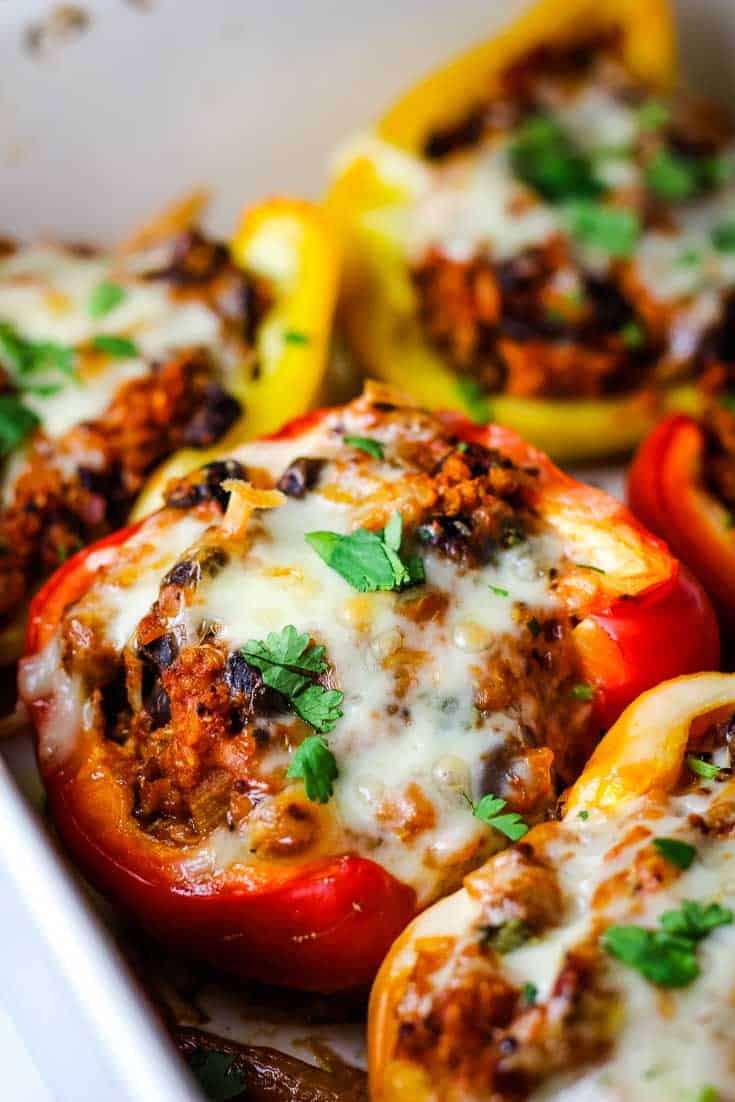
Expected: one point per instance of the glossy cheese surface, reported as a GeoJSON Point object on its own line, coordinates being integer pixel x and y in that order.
{"type": "Point", "coordinates": [616, 1036]}
{"type": "Point", "coordinates": [451, 688]}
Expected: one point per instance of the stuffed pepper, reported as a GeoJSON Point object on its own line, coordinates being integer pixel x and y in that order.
{"type": "Point", "coordinates": [337, 670]}
{"type": "Point", "coordinates": [595, 959]}
{"type": "Point", "coordinates": [542, 233]}
{"type": "Point", "coordinates": [682, 485]}
{"type": "Point", "coordinates": [110, 362]}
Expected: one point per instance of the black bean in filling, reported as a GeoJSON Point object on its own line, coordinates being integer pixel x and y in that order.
{"type": "Point", "coordinates": [218, 412]}
{"type": "Point", "coordinates": [300, 476]}
{"type": "Point", "coordinates": [205, 484]}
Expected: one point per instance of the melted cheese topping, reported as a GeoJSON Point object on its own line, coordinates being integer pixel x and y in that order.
{"type": "Point", "coordinates": [667, 1044]}
{"type": "Point", "coordinates": [426, 737]}
{"type": "Point", "coordinates": [45, 291]}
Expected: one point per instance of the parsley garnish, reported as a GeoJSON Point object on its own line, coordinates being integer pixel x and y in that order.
{"type": "Point", "coordinates": [582, 692]}
{"type": "Point", "coordinates": [613, 230]}
{"type": "Point", "coordinates": [474, 399]}
{"type": "Point", "coordinates": [663, 959]}
{"type": "Point", "coordinates": [529, 993]}
{"type": "Point", "coordinates": [723, 237]}
{"type": "Point", "coordinates": [653, 115]}
{"type": "Point", "coordinates": [672, 177]}
{"type": "Point", "coordinates": [694, 921]}
{"type": "Point", "coordinates": [702, 768]}
{"type": "Point", "coordinates": [120, 348]}
{"type": "Point", "coordinates": [678, 853]}
{"type": "Point", "coordinates": [499, 591]}
{"type": "Point", "coordinates": [583, 815]}
{"type": "Point", "coordinates": [544, 157]}
{"type": "Point", "coordinates": [633, 335]}
{"type": "Point", "coordinates": [217, 1076]}
{"type": "Point", "coordinates": [315, 763]}
{"type": "Point", "coordinates": [488, 811]}
{"type": "Point", "coordinates": [16, 422]}
{"type": "Point", "coordinates": [24, 357]}
{"type": "Point", "coordinates": [688, 258]}
{"type": "Point", "coordinates": [290, 664]}
{"type": "Point", "coordinates": [295, 336]}
{"type": "Point", "coordinates": [369, 561]}
{"type": "Point", "coordinates": [668, 956]}
{"type": "Point", "coordinates": [366, 444]}
{"type": "Point", "coordinates": [105, 297]}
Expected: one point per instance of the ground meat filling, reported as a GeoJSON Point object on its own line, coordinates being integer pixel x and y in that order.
{"type": "Point", "coordinates": [505, 325]}
{"type": "Point", "coordinates": [78, 487]}
{"type": "Point", "coordinates": [467, 1024]}
{"type": "Point", "coordinates": [542, 323]}
{"type": "Point", "coordinates": [200, 740]}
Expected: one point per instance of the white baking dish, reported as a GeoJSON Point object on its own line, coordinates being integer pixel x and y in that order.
{"type": "Point", "coordinates": [101, 125]}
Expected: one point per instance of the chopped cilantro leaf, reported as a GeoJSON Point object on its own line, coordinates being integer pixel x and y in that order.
{"type": "Point", "coordinates": [104, 298]}
{"type": "Point", "coordinates": [499, 591]}
{"type": "Point", "coordinates": [488, 810]}
{"type": "Point", "coordinates": [702, 768]}
{"type": "Point", "coordinates": [672, 177]}
{"type": "Point", "coordinates": [723, 236]}
{"type": "Point", "coordinates": [315, 763]}
{"type": "Point", "coordinates": [694, 921]}
{"type": "Point", "coordinates": [290, 664]}
{"type": "Point", "coordinates": [667, 956]}
{"type": "Point", "coordinates": [16, 422]}
{"type": "Point", "coordinates": [677, 853]}
{"type": "Point", "coordinates": [582, 692]}
{"type": "Point", "coordinates": [584, 815]}
{"type": "Point", "coordinates": [612, 230]}
{"type": "Point", "coordinates": [716, 171]}
{"type": "Point", "coordinates": [633, 335]}
{"type": "Point", "coordinates": [689, 258]}
{"type": "Point", "coordinates": [217, 1076]}
{"type": "Point", "coordinates": [529, 993]}
{"type": "Point", "coordinates": [653, 115]}
{"type": "Point", "coordinates": [474, 399]}
{"type": "Point", "coordinates": [365, 444]}
{"type": "Point", "coordinates": [663, 958]}
{"type": "Point", "coordinates": [23, 357]}
{"type": "Point", "coordinates": [369, 561]}
{"type": "Point", "coordinates": [120, 348]}
{"type": "Point", "coordinates": [294, 336]}
{"type": "Point", "coordinates": [543, 156]}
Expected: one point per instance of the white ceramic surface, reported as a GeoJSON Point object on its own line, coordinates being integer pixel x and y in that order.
{"type": "Point", "coordinates": [151, 98]}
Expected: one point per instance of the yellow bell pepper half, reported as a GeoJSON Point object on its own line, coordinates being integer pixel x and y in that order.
{"type": "Point", "coordinates": [642, 754]}
{"type": "Point", "coordinates": [380, 174]}
{"type": "Point", "coordinates": [289, 244]}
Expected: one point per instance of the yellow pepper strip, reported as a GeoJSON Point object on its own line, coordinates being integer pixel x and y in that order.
{"type": "Point", "coordinates": [445, 96]}
{"type": "Point", "coordinates": [377, 179]}
{"type": "Point", "coordinates": [287, 243]}
{"type": "Point", "coordinates": [644, 751]}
